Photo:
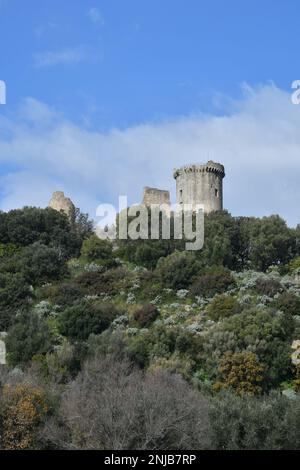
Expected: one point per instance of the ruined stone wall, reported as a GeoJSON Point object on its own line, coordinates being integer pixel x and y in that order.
{"type": "Point", "coordinates": [61, 203]}
{"type": "Point", "coordinates": [200, 184]}
{"type": "Point", "coordinates": [155, 196]}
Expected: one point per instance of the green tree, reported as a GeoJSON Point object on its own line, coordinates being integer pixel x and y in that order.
{"type": "Point", "coordinates": [37, 264]}
{"type": "Point", "coordinates": [177, 270]}
{"type": "Point", "coordinates": [94, 249]}
{"type": "Point", "coordinates": [30, 335]}
{"type": "Point", "coordinates": [271, 243]}
{"type": "Point", "coordinates": [15, 294]}
{"type": "Point", "coordinates": [222, 306]}
{"type": "Point", "coordinates": [84, 318]}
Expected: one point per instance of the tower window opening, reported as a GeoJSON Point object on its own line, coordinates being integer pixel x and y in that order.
{"type": "Point", "coordinates": [216, 192]}
{"type": "Point", "coordinates": [180, 194]}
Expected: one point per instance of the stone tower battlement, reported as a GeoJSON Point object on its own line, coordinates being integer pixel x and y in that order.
{"type": "Point", "coordinates": [200, 184]}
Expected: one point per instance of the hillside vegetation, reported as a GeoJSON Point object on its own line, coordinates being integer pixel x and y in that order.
{"type": "Point", "coordinates": [143, 345]}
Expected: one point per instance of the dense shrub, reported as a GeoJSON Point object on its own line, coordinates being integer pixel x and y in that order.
{"type": "Point", "coordinates": [24, 408]}
{"type": "Point", "coordinates": [108, 282]}
{"type": "Point", "coordinates": [212, 283]}
{"type": "Point", "coordinates": [265, 332]}
{"type": "Point", "coordinates": [177, 270]}
{"type": "Point", "coordinates": [288, 303]}
{"type": "Point", "coordinates": [146, 315]}
{"type": "Point", "coordinates": [112, 405]}
{"type": "Point", "coordinates": [241, 372]}
{"type": "Point", "coordinates": [270, 422]}
{"type": "Point", "coordinates": [268, 287]}
{"type": "Point", "coordinates": [23, 227]}
{"type": "Point", "coordinates": [94, 249]}
{"type": "Point", "coordinates": [30, 335]}
{"type": "Point", "coordinates": [64, 294]}
{"type": "Point", "coordinates": [37, 263]}
{"type": "Point", "coordinates": [271, 242]}
{"type": "Point", "coordinates": [15, 294]}
{"type": "Point", "coordinates": [84, 318]}
{"type": "Point", "coordinates": [222, 306]}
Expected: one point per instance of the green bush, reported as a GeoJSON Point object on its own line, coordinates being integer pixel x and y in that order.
{"type": "Point", "coordinates": [268, 287]}
{"type": "Point", "coordinates": [15, 294]}
{"type": "Point", "coordinates": [146, 315]}
{"type": "Point", "coordinates": [288, 303]}
{"type": "Point", "coordinates": [265, 332]}
{"type": "Point", "coordinates": [222, 306]}
{"type": "Point", "coordinates": [270, 422]}
{"type": "Point", "coordinates": [37, 263]}
{"type": "Point", "coordinates": [64, 294]}
{"type": "Point", "coordinates": [30, 335]}
{"type": "Point", "coordinates": [177, 270]}
{"type": "Point", "coordinates": [23, 227]}
{"type": "Point", "coordinates": [99, 251]}
{"type": "Point", "coordinates": [108, 282]}
{"type": "Point", "coordinates": [212, 283]}
{"type": "Point", "coordinates": [84, 318]}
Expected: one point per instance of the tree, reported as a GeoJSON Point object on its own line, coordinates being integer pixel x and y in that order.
{"type": "Point", "coordinates": [37, 264]}
{"type": "Point", "coordinates": [271, 243]}
{"type": "Point", "coordinates": [177, 270]}
{"type": "Point", "coordinates": [83, 318]}
{"type": "Point", "coordinates": [15, 294]}
{"type": "Point", "coordinates": [23, 227]}
{"type": "Point", "coordinates": [241, 373]}
{"type": "Point", "coordinates": [265, 332]}
{"type": "Point", "coordinates": [212, 282]}
{"type": "Point", "coordinates": [111, 405]}
{"type": "Point", "coordinates": [268, 422]}
{"type": "Point", "coordinates": [146, 315]}
{"type": "Point", "coordinates": [23, 409]}
{"type": "Point", "coordinates": [94, 249]}
{"type": "Point", "coordinates": [29, 336]}
{"type": "Point", "coordinates": [222, 306]}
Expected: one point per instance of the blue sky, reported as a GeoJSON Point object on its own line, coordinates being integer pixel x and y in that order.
{"type": "Point", "coordinates": [106, 96]}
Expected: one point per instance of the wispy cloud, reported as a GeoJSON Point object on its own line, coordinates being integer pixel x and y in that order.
{"type": "Point", "coordinates": [257, 140]}
{"type": "Point", "coordinates": [95, 16]}
{"type": "Point", "coordinates": [67, 56]}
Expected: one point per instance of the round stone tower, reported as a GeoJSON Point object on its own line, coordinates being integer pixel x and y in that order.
{"type": "Point", "coordinates": [200, 184]}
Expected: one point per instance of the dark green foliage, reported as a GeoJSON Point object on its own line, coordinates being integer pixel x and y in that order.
{"type": "Point", "coordinates": [7, 250]}
{"type": "Point", "coordinates": [222, 306]}
{"type": "Point", "coordinates": [107, 282]}
{"type": "Point", "coordinates": [215, 282]}
{"type": "Point", "coordinates": [269, 422]}
{"type": "Point", "coordinates": [94, 249]}
{"type": "Point", "coordinates": [177, 270]}
{"type": "Point", "coordinates": [147, 252]}
{"type": "Point", "coordinates": [288, 303]}
{"type": "Point", "coordinates": [37, 263]}
{"type": "Point", "coordinates": [23, 227]}
{"type": "Point", "coordinates": [226, 241]}
{"type": "Point", "coordinates": [271, 242]}
{"type": "Point", "coordinates": [64, 294]}
{"type": "Point", "coordinates": [162, 342]}
{"type": "Point", "coordinates": [265, 332]}
{"type": "Point", "coordinates": [30, 335]}
{"type": "Point", "coordinates": [84, 318]}
{"type": "Point", "coordinates": [146, 315]}
{"type": "Point", "coordinates": [14, 295]}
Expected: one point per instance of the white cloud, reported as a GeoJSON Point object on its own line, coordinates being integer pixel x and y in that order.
{"type": "Point", "coordinates": [258, 141]}
{"type": "Point", "coordinates": [95, 16]}
{"type": "Point", "coordinates": [67, 56]}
